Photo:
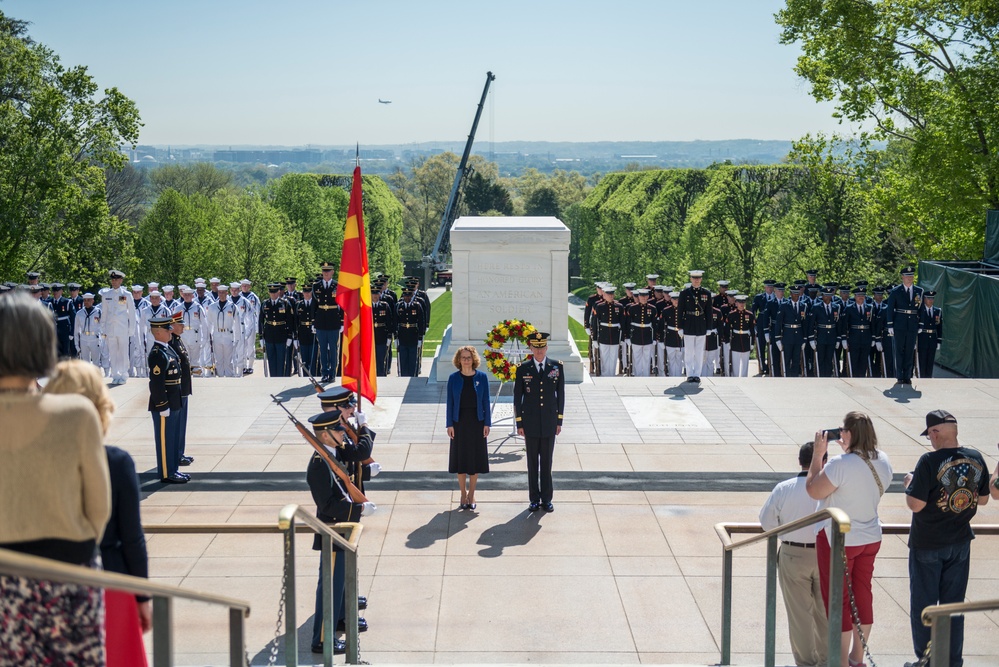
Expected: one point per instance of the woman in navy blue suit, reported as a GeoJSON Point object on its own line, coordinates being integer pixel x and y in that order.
{"type": "Point", "coordinates": [468, 421]}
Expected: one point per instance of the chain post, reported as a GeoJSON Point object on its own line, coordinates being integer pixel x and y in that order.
{"type": "Point", "coordinates": [726, 630]}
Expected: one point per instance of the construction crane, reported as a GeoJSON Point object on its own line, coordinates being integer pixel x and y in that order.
{"type": "Point", "coordinates": [434, 264]}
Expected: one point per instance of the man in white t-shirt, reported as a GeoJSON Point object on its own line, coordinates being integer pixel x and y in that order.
{"type": "Point", "coordinates": [797, 567]}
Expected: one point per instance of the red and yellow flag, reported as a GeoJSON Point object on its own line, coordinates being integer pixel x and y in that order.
{"type": "Point", "coordinates": [353, 293]}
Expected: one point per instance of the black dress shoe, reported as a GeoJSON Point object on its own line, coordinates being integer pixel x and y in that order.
{"type": "Point", "coordinates": [339, 647]}
{"type": "Point", "coordinates": [533, 507]}
{"type": "Point", "coordinates": [186, 460]}
{"type": "Point", "coordinates": [362, 602]}
{"type": "Point", "coordinates": [362, 626]}
{"type": "Point", "coordinates": [184, 475]}
{"type": "Point", "coordinates": [690, 378]}
{"type": "Point", "coordinates": [696, 380]}
{"type": "Point", "coordinates": [549, 507]}
{"type": "Point", "coordinates": [176, 478]}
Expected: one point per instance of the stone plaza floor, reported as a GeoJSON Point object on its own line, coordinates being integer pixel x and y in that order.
{"type": "Point", "coordinates": [626, 570]}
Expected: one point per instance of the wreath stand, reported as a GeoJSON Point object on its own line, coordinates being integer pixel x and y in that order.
{"type": "Point", "coordinates": [515, 353]}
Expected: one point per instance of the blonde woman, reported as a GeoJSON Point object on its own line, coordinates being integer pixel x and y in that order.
{"type": "Point", "coordinates": [854, 482]}
{"type": "Point", "coordinates": [468, 421]}
{"type": "Point", "coordinates": [123, 547]}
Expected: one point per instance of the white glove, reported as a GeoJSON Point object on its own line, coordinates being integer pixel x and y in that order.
{"type": "Point", "coordinates": [627, 342]}
{"type": "Point", "coordinates": [938, 347]}
{"type": "Point", "coordinates": [845, 345]}
{"type": "Point", "coordinates": [360, 417]}
{"type": "Point", "coordinates": [341, 329]}
{"type": "Point", "coordinates": [368, 508]}
{"type": "Point", "coordinates": [376, 468]}
{"type": "Point", "coordinates": [768, 338]}
{"type": "Point", "coordinates": [837, 345]}
{"type": "Point", "coordinates": [296, 344]}
{"type": "Point", "coordinates": [288, 343]}
{"type": "Point", "coordinates": [879, 346]}
{"type": "Point", "coordinates": [780, 346]}
{"type": "Point", "coordinates": [891, 331]}
{"type": "Point", "coordinates": [813, 344]}
{"type": "Point", "coordinates": [680, 332]}
{"type": "Point", "coordinates": [165, 413]}
{"type": "Point", "coordinates": [712, 332]}
{"type": "Point", "coordinates": [873, 343]}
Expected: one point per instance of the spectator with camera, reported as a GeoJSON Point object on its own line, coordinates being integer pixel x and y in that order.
{"type": "Point", "coordinates": [853, 481]}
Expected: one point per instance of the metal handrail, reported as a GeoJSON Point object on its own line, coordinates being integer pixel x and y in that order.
{"type": "Point", "coordinates": [330, 535]}
{"type": "Point", "coordinates": [938, 618]}
{"type": "Point", "coordinates": [34, 567]}
{"type": "Point", "coordinates": [931, 615]}
{"type": "Point", "coordinates": [841, 526]}
{"type": "Point", "coordinates": [288, 525]}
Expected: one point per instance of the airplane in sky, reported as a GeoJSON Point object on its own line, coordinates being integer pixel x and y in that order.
{"type": "Point", "coordinates": [381, 101]}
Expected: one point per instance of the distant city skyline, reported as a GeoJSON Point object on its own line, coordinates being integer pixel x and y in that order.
{"type": "Point", "coordinates": [312, 73]}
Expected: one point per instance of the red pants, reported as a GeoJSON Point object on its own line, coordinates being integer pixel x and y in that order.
{"type": "Point", "coordinates": [860, 563]}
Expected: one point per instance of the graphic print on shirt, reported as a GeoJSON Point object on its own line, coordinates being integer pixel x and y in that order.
{"type": "Point", "coordinates": [959, 481]}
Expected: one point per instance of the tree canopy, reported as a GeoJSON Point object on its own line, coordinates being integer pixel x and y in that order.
{"type": "Point", "coordinates": [923, 75]}
{"type": "Point", "coordinates": [58, 133]}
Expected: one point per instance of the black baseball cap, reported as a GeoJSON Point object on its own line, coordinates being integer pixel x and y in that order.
{"type": "Point", "coordinates": [938, 417]}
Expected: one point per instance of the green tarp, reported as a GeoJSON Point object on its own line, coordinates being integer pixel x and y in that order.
{"type": "Point", "coordinates": [992, 237]}
{"type": "Point", "coordinates": [968, 295]}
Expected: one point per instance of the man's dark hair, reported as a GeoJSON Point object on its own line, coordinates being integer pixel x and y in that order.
{"type": "Point", "coordinates": [805, 454]}
{"type": "Point", "coordinates": [27, 338]}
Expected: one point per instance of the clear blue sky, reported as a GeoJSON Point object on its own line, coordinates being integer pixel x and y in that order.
{"type": "Point", "coordinates": [296, 72]}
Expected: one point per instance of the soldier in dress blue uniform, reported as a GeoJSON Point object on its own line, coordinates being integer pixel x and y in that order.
{"type": "Point", "coordinates": [383, 316]}
{"type": "Point", "coordinates": [929, 336]}
{"type": "Point", "coordinates": [823, 337]}
{"type": "Point", "coordinates": [411, 325]}
{"type": "Point", "coordinates": [538, 403]}
{"type": "Point", "coordinates": [902, 322]}
{"type": "Point", "coordinates": [276, 329]}
{"type": "Point", "coordinates": [65, 314]}
{"type": "Point", "coordinates": [186, 385]}
{"type": "Point", "coordinates": [165, 400]}
{"type": "Point", "coordinates": [305, 314]}
{"type": "Point", "coordinates": [413, 283]}
{"type": "Point", "coordinates": [329, 323]}
{"type": "Point", "coordinates": [792, 323]}
{"type": "Point", "coordinates": [857, 334]}
{"type": "Point", "coordinates": [333, 505]}
{"type": "Point", "coordinates": [291, 289]}
{"type": "Point", "coordinates": [759, 305]}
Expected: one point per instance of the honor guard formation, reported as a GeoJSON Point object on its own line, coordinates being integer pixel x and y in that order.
{"type": "Point", "coordinates": [816, 330]}
{"type": "Point", "coordinates": [300, 331]}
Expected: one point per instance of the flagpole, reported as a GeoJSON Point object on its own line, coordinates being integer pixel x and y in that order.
{"type": "Point", "coordinates": [360, 399]}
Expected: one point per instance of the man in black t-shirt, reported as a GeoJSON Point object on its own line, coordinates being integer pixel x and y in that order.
{"type": "Point", "coordinates": [943, 492]}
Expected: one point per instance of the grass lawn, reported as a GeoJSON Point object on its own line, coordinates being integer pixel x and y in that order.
{"type": "Point", "coordinates": [579, 335]}
{"type": "Point", "coordinates": [440, 317]}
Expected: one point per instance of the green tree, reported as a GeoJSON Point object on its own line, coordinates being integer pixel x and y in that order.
{"type": "Point", "coordinates": [483, 196]}
{"type": "Point", "coordinates": [57, 135]}
{"type": "Point", "coordinates": [924, 74]}
{"type": "Point", "coordinates": [316, 214]}
{"type": "Point", "coordinates": [188, 179]}
{"type": "Point", "coordinates": [172, 241]}
{"type": "Point", "coordinates": [543, 201]}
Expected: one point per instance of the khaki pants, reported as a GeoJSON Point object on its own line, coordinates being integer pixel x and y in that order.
{"type": "Point", "coordinates": [798, 573]}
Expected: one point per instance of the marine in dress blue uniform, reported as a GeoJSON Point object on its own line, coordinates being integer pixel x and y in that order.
{"type": "Point", "coordinates": [902, 322]}
{"type": "Point", "coordinates": [538, 403]}
{"type": "Point", "coordinates": [929, 336]}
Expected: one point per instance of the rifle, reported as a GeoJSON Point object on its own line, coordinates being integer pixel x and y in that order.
{"type": "Point", "coordinates": [629, 371]}
{"type": "Point", "coordinates": [301, 367]}
{"type": "Point", "coordinates": [338, 468]}
{"type": "Point", "coordinates": [915, 353]}
{"type": "Point", "coordinates": [804, 370]}
{"type": "Point", "coordinates": [267, 368]}
{"type": "Point", "coordinates": [419, 356]}
{"type": "Point", "coordinates": [849, 362]}
{"type": "Point", "coordinates": [815, 353]}
{"type": "Point", "coordinates": [388, 355]}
